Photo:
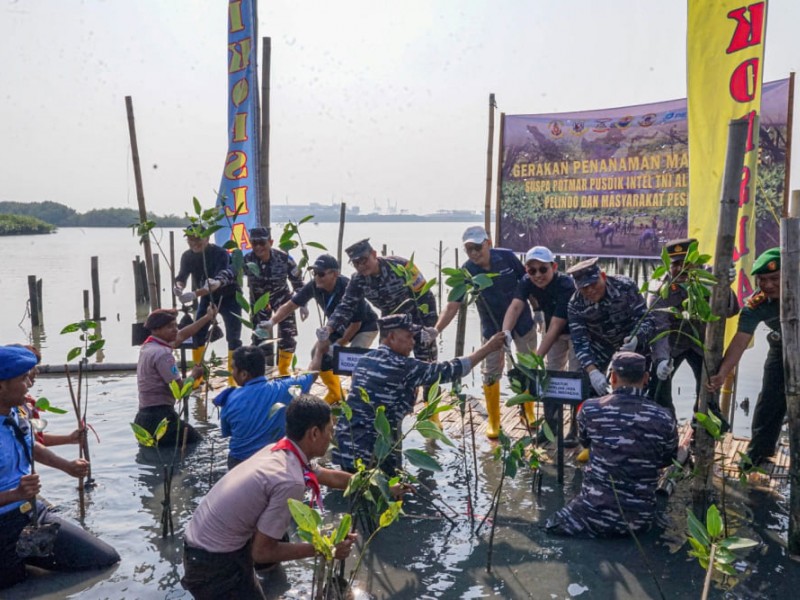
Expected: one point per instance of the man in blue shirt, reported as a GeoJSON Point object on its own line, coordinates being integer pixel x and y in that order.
{"type": "Point", "coordinates": [492, 304]}
{"type": "Point", "coordinates": [253, 414]}
{"type": "Point", "coordinates": [73, 548]}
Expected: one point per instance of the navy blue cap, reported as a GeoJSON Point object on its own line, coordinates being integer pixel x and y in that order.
{"type": "Point", "coordinates": [15, 361]}
{"type": "Point", "coordinates": [629, 365]}
{"type": "Point", "coordinates": [260, 233]}
{"type": "Point", "coordinates": [325, 262]}
{"type": "Point", "coordinates": [585, 272]}
{"type": "Point", "coordinates": [359, 249]}
{"type": "Point", "coordinates": [401, 321]}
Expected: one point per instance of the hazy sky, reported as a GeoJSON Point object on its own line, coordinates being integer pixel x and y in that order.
{"type": "Point", "coordinates": [372, 101]}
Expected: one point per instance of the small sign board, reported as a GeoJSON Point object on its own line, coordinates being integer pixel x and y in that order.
{"type": "Point", "coordinates": [567, 387]}
{"type": "Point", "coordinates": [345, 359]}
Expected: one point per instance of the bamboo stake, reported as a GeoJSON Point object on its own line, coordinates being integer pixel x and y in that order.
{"type": "Point", "coordinates": [340, 240]}
{"type": "Point", "coordinates": [500, 156]}
{"type": "Point", "coordinates": [489, 155]}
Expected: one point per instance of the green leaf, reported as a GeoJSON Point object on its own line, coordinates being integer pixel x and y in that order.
{"type": "Point", "coordinates": [76, 351]}
{"type": "Point", "coordinates": [143, 436]}
{"type": "Point", "coordinates": [457, 293]}
{"type": "Point", "coordinates": [433, 391]}
{"type": "Point", "coordinates": [364, 395]}
{"type": "Point", "coordinates": [253, 268]}
{"type": "Point", "coordinates": [700, 551]}
{"type": "Point", "coordinates": [482, 281]}
{"type": "Point", "coordinates": [346, 410]}
{"type": "Point", "coordinates": [713, 522]}
{"type": "Point", "coordinates": [432, 432]}
{"type": "Point", "coordinates": [71, 328]}
{"type": "Point", "coordinates": [343, 529]}
{"type": "Point", "coordinates": [175, 389]}
{"type": "Point", "coordinates": [198, 210]}
{"type": "Point", "coordinates": [94, 347]}
{"type": "Point", "coordinates": [307, 518]}
{"type": "Point", "coordinates": [696, 528]}
{"type": "Point", "coordinates": [520, 399]}
{"type": "Point", "coordinates": [421, 459]}
{"type": "Point", "coordinates": [317, 245]}
{"type": "Point", "coordinates": [242, 301]}
{"type": "Point", "coordinates": [390, 515]}
{"type": "Point", "coordinates": [737, 543]}
{"type": "Point", "coordinates": [43, 404]}
{"type": "Point", "coordinates": [452, 272]}
{"type": "Point", "coordinates": [261, 303]}
{"type": "Point", "coordinates": [305, 219]}
{"type": "Point", "coordinates": [382, 423]}
{"type": "Point", "coordinates": [161, 429]}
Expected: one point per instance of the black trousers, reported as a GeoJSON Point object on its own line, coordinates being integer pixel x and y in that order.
{"type": "Point", "coordinates": [150, 417]}
{"type": "Point", "coordinates": [771, 406]}
{"type": "Point", "coordinates": [661, 391]}
{"type": "Point", "coordinates": [220, 575]}
{"type": "Point", "coordinates": [74, 550]}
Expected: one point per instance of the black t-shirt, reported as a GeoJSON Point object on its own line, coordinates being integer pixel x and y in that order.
{"type": "Point", "coordinates": [328, 301]}
{"type": "Point", "coordinates": [552, 299]}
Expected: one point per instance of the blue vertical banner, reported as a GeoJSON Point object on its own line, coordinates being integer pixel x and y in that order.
{"type": "Point", "coordinates": [238, 191]}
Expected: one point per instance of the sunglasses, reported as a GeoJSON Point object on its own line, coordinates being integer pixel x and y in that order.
{"type": "Point", "coordinates": [534, 270]}
{"type": "Point", "coordinates": [470, 248]}
{"type": "Point", "coordinates": [320, 273]}
{"type": "Point", "coordinates": [259, 242]}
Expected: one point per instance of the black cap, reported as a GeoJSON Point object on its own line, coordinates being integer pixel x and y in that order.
{"type": "Point", "coordinates": [260, 233]}
{"type": "Point", "coordinates": [677, 249]}
{"type": "Point", "coordinates": [359, 249]}
{"type": "Point", "coordinates": [629, 365]}
{"type": "Point", "coordinates": [585, 272]}
{"type": "Point", "coordinates": [401, 321]}
{"type": "Point", "coordinates": [325, 262]}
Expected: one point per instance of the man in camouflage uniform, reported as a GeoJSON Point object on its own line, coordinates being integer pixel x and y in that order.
{"type": "Point", "coordinates": [681, 347]}
{"type": "Point", "coordinates": [606, 314]}
{"type": "Point", "coordinates": [492, 304]}
{"type": "Point", "coordinates": [376, 281]}
{"type": "Point", "coordinates": [270, 270]}
{"type": "Point", "coordinates": [762, 307]}
{"type": "Point", "coordinates": [630, 438]}
{"type": "Point", "coordinates": [390, 378]}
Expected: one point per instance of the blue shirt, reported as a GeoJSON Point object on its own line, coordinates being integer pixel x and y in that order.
{"type": "Point", "coordinates": [13, 458]}
{"type": "Point", "coordinates": [247, 415]}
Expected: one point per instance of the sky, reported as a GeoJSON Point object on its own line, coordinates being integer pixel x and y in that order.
{"type": "Point", "coordinates": [373, 103]}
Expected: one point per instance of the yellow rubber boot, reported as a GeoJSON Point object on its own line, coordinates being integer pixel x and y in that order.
{"type": "Point", "coordinates": [334, 385]}
{"type": "Point", "coordinates": [231, 380]}
{"type": "Point", "coordinates": [530, 414]}
{"type": "Point", "coordinates": [492, 394]}
{"type": "Point", "coordinates": [197, 358]}
{"type": "Point", "coordinates": [284, 362]}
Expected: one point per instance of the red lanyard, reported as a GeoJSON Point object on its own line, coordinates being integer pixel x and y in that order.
{"type": "Point", "coordinates": [309, 477]}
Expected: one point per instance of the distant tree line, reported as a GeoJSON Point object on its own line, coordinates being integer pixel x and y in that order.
{"type": "Point", "coordinates": [64, 216]}
{"type": "Point", "coordinates": [22, 225]}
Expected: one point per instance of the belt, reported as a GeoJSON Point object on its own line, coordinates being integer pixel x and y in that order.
{"type": "Point", "coordinates": [23, 509]}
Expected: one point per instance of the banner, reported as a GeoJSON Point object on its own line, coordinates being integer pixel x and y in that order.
{"type": "Point", "coordinates": [724, 57]}
{"type": "Point", "coordinates": [615, 182]}
{"type": "Point", "coordinates": [238, 190]}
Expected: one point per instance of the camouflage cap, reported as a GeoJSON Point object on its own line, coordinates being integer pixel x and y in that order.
{"type": "Point", "coordinates": [401, 321]}
{"type": "Point", "coordinates": [359, 249]}
{"type": "Point", "coordinates": [677, 249]}
{"type": "Point", "coordinates": [768, 262]}
{"type": "Point", "coordinates": [629, 365]}
{"type": "Point", "coordinates": [260, 233]}
{"type": "Point", "coordinates": [585, 272]}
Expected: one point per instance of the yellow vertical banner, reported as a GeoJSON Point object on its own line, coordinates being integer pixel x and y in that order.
{"type": "Point", "coordinates": [724, 55]}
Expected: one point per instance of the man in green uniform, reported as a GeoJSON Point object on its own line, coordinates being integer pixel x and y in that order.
{"type": "Point", "coordinates": [762, 307]}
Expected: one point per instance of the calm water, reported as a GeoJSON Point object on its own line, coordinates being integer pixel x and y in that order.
{"type": "Point", "coordinates": [424, 556]}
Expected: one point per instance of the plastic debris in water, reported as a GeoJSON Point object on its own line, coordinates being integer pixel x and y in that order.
{"type": "Point", "coordinates": [576, 589]}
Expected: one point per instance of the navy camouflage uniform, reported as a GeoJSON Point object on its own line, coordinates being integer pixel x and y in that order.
{"type": "Point", "coordinates": [598, 329]}
{"type": "Point", "coordinates": [389, 379]}
{"type": "Point", "coordinates": [217, 262]}
{"type": "Point", "coordinates": [389, 293]}
{"type": "Point", "coordinates": [273, 276]}
{"type": "Point", "coordinates": [630, 438]}
{"type": "Point", "coordinates": [771, 405]}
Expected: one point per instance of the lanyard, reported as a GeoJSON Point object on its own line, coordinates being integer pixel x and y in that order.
{"type": "Point", "coordinates": [20, 437]}
{"type": "Point", "coordinates": [309, 477]}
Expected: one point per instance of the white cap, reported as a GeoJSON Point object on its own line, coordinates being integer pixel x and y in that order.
{"type": "Point", "coordinates": [475, 235]}
{"type": "Point", "coordinates": [541, 254]}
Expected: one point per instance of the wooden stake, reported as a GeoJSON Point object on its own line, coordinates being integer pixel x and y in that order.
{"type": "Point", "coordinates": [489, 155]}
{"type": "Point", "coordinates": [500, 156]}
{"type": "Point", "coordinates": [33, 298]}
{"type": "Point", "coordinates": [342, 214]}
{"type": "Point", "coordinates": [95, 289]}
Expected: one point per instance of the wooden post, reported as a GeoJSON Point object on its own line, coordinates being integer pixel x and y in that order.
{"type": "Point", "coordinates": [342, 215]}
{"type": "Point", "coordinates": [172, 267]}
{"type": "Point", "coordinates": [95, 289]}
{"type": "Point", "coordinates": [489, 154]}
{"type": "Point", "coordinates": [137, 283]}
{"type": "Point", "coordinates": [146, 298]}
{"type": "Point", "coordinates": [383, 250]}
{"type": "Point", "coordinates": [790, 330]}
{"type": "Point", "coordinates": [720, 294]}
{"type": "Point", "coordinates": [788, 157]}
{"type": "Point", "coordinates": [86, 312]}
{"type": "Point", "coordinates": [137, 173]}
{"type": "Point", "coordinates": [33, 298]}
{"type": "Point", "coordinates": [157, 275]}
{"type": "Point", "coordinates": [439, 280]}
{"type": "Point", "coordinates": [263, 152]}
{"type": "Point", "coordinates": [41, 300]}
{"type": "Point", "coordinates": [500, 156]}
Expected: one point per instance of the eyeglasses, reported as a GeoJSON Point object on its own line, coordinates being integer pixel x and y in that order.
{"type": "Point", "coordinates": [320, 273]}
{"type": "Point", "coordinates": [361, 260]}
{"type": "Point", "coordinates": [470, 248]}
{"type": "Point", "coordinates": [259, 242]}
{"type": "Point", "coordinates": [534, 270]}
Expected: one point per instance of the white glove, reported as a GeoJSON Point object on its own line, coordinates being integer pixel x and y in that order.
{"type": "Point", "coordinates": [664, 370]}
{"type": "Point", "coordinates": [213, 285]}
{"type": "Point", "coordinates": [303, 313]}
{"type": "Point", "coordinates": [599, 382]}
{"type": "Point", "coordinates": [187, 297]}
{"type": "Point", "coordinates": [538, 320]}
{"type": "Point", "coordinates": [178, 289]}
{"type": "Point", "coordinates": [262, 330]}
{"type": "Point", "coordinates": [509, 338]}
{"type": "Point", "coordinates": [631, 343]}
{"type": "Point", "coordinates": [428, 335]}
{"type": "Point", "coordinates": [323, 334]}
